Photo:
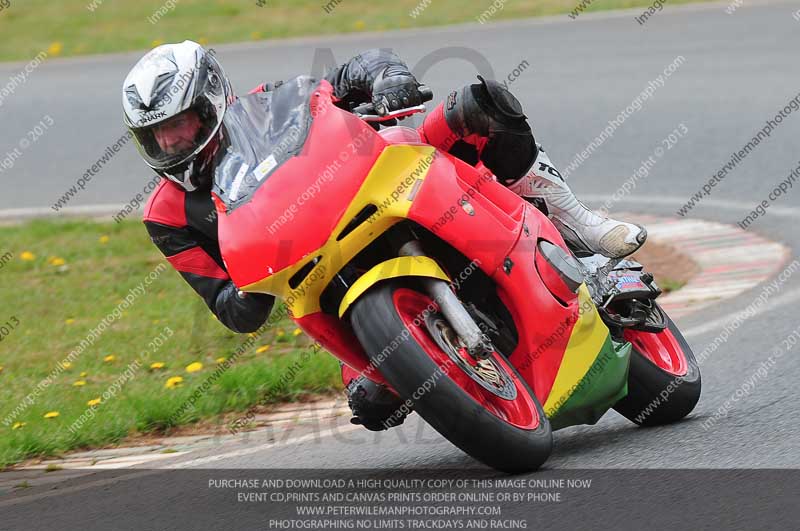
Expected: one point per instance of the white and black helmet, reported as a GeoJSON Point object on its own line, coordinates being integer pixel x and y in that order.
{"type": "Point", "coordinates": [172, 84]}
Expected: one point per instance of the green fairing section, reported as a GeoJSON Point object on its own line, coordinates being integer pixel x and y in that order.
{"type": "Point", "coordinates": [604, 385]}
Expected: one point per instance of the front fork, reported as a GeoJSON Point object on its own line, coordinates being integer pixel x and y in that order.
{"type": "Point", "coordinates": [478, 345]}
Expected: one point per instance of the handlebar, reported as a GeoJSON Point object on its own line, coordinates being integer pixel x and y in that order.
{"type": "Point", "coordinates": [367, 111]}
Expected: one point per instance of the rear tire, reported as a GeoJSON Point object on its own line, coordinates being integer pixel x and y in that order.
{"type": "Point", "coordinates": [663, 379]}
{"type": "Point", "coordinates": [519, 443]}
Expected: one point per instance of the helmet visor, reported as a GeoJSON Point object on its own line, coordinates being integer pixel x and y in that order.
{"type": "Point", "coordinates": [179, 138]}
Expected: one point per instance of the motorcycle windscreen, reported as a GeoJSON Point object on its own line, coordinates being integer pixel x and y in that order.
{"type": "Point", "coordinates": [291, 165]}
{"type": "Point", "coordinates": [260, 132]}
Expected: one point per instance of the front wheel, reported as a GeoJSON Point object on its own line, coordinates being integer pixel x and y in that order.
{"type": "Point", "coordinates": [485, 408]}
{"type": "Point", "coordinates": [663, 379]}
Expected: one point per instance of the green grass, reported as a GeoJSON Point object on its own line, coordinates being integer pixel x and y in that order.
{"type": "Point", "coordinates": [57, 305]}
{"type": "Point", "coordinates": [67, 27]}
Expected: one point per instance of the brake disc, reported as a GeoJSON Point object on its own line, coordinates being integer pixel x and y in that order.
{"type": "Point", "coordinates": [487, 372]}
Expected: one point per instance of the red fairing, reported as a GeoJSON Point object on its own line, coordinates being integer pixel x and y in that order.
{"type": "Point", "coordinates": [339, 341]}
{"type": "Point", "coordinates": [460, 205]}
{"type": "Point", "coordinates": [313, 189]}
{"type": "Point", "coordinates": [537, 313]}
{"type": "Point", "coordinates": [484, 220]}
{"type": "Point", "coordinates": [297, 209]}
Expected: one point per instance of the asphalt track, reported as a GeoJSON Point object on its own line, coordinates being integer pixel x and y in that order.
{"type": "Point", "coordinates": [740, 70]}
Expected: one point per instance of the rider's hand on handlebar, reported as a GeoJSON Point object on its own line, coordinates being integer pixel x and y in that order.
{"type": "Point", "coordinates": [394, 92]}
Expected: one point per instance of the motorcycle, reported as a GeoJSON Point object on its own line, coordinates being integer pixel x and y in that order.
{"type": "Point", "coordinates": [422, 272]}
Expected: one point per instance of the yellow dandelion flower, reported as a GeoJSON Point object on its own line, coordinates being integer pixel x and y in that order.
{"type": "Point", "coordinates": [79, 383]}
{"type": "Point", "coordinates": [280, 333]}
{"type": "Point", "coordinates": [51, 414]}
{"type": "Point", "coordinates": [262, 349]}
{"type": "Point", "coordinates": [84, 374]}
{"type": "Point", "coordinates": [93, 402]}
{"type": "Point", "coordinates": [66, 364]}
{"type": "Point", "coordinates": [194, 367]}
{"type": "Point", "coordinates": [360, 24]}
{"type": "Point", "coordinates": [297, 332]}
{"type": "Point", "coordinates": [55, 48]}
{"type": "Point", "coordinates": [103, 239]}
{"type": "Point", "coordinates": [175, 381]}
{"type": "Point", "coordinates": [69, 321]}
{"type": "Point", "coordinates": [56, 261]}
{"type": "Point", "coordinates": [18, 425]}
{"type": "Point", "coordinates": [157, 365]}
{"type": "Point", "coordinates": [221, 360]}
{"type": "Point", "coordinates": [27, 256]}
{"type": "Point", "coordinates": [109, 358]}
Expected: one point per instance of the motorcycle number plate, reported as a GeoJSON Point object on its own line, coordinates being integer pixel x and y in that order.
{"type": "Point", "coordinates": [630, 285]}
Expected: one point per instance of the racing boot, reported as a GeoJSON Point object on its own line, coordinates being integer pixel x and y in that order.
{"type": "Point", "coordinates": [374, 405]}
{"type": "Point", "coordinates": [582, 229]}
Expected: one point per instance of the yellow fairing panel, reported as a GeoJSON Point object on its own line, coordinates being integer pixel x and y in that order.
{"type": "Point", "coordinates": [404, 266]}
{"type": "Point", "coordinates": [585, 343]}
{"type": "Point", "coordinates": [398, 171]}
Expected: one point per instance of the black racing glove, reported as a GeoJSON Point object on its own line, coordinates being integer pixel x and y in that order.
{"type": "Point", "coordinates": [242, 312]}
{"type": "Point", "coordinates": [395, 91]}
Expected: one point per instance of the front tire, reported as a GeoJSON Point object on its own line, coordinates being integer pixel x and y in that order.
{"type": "Point", "coordinates": [663, 379]}
{"type": "Point", "coordinates": [509, 434]}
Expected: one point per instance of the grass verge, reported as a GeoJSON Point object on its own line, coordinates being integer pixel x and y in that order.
{"type": "Point", "coordinates": [59, 280]}
{"type": "Point", "coordinates": [77, 27]}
